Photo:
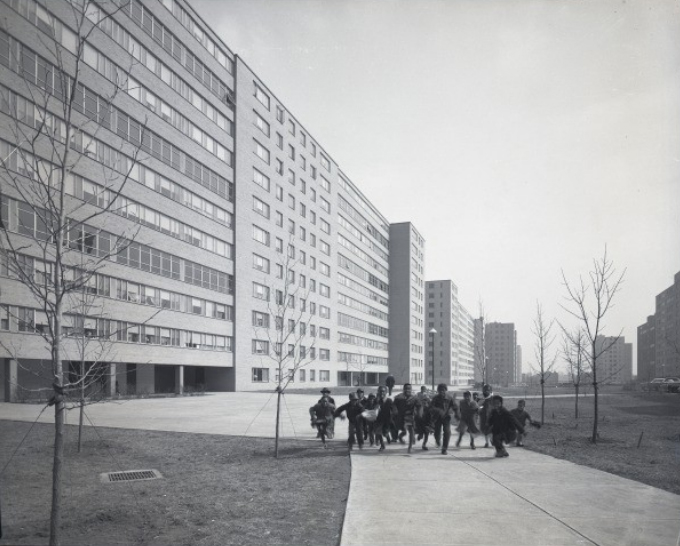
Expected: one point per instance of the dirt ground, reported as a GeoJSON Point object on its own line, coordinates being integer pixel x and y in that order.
{"type": "Point", "coordinates": [216, 490]}
{"type": "Point", "coordinates": [623, 418]}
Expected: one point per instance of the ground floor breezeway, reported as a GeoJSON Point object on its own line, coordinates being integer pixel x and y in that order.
{"type": "Point", "coordinates": [31, 379]}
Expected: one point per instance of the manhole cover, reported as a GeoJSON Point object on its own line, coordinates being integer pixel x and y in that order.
{"type": "Point", "coordinates": [130, 476]}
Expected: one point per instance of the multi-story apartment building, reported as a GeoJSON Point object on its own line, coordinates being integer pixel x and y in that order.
{"type": "Point", "coordinates": [646, 350]}
{"type": "Point", "coordinates": [615, 364]}
{"type": "Point", "coordinates": [407, 304]}
{"type": "Point", "coordinates": [659, 338]}
{"type": "Point", "coordinates": [232, 211]}
{"type": "Point", "coordinates": [452, 356]}
{"type": "Point", "coordinates": [501, 352]}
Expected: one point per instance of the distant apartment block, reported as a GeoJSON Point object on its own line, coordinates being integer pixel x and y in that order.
{"type": "Point", "coordinates": [407, 304]}
{"type": "Point", "coordinates": [615, 365]}
{"type": "Point", "coordinates": [453, 352]}
{"type": "Point", "coordinates": [658, 339]}
{"type": "Point", "coordinates": [501, 352]}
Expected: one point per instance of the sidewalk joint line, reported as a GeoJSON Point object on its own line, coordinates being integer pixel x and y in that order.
{"type": "Point", "coordinates": [526, 500]}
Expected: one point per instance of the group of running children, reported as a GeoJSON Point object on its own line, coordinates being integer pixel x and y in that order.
{"type": "Point", "coordinates": [377, 418]}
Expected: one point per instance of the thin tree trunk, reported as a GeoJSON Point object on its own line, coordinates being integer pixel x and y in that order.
{"type": "Point", "coordinates": [278, 413]}
{"type": "Point", "coordinates": [542, 401]}
{"type": "Point", "coordinates": [58, 386]}
{"type": "Point", "coordinates": [82, 403]}
{"type": "Point", "coordinates": [595, 407]}
{"type": "Point", "coordinates": [576, 404]}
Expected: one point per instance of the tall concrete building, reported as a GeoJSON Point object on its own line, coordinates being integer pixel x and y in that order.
{"type": "Point", "coordinates": [501, 352]}
{"type": "Point", "coordinates": [659, 338]}
{"type": "Point", "coordinates": [407, 310]}
{"type": "Point", "coordinates": [235, 206]}
{"type": "Point", "coordinates": [615, 365]}
{"type": "Point", "coordinates": [453, 353]}
{"type": "Point", "coordinates": [646, 350]}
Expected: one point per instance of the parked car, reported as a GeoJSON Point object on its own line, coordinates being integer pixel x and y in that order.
{"type": "Point", "coordinates": [663, 384]}
{"type": "Point", "coordinates": [671, 384]}
{"type": "Point", "coordinates": [654, 384]}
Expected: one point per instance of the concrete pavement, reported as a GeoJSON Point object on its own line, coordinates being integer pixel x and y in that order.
{"type": "Point", "coordinates": [464, 498]}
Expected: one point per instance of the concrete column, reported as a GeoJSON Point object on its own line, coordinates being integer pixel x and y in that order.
{"type": "Point", "coordinates": [112, 381]}
{"type": "Point", "coordinates": [11, 379]}
{"type": "Point", "coordinates": [179, 379]}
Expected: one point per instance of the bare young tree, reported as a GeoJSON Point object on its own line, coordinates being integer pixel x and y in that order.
{"type": "Point", "coordinates": [573, 351]}
{"type": "Point", "coordinates": [291, 343]}
{"type": "Point", "coordinates": [544, 339]}
{"type": "Point", "coordinates": [53, 235]}
{"type": "Point", "coordinates": [589, 301]}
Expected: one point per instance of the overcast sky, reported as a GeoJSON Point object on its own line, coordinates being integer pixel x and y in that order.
{"type": "Point", "coordinates": [519, 137]}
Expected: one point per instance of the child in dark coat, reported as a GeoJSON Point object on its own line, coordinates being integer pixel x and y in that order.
{"type": "Point", "coordinates": [468, 418]}
{"type": "Point", "coordinates": [503, 426]}
{"type": "Point", "coordinates": [522, 416]}
{"type": "Point", "coordinates": [353, 410]}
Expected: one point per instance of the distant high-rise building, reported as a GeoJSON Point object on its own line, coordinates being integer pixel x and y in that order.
{"type": "Point", "coordinates": [407, 304]}
{"type": "Point", "coordinates": [646, 350]}
{"type": "Point", "coordinates": [615, 365]}
{"type": "Point", "coordinates": [501, 352]}
{"type": "Point", "coordinates": [659, 338]}
{"type": "Point", "coordinates": [453, 350]}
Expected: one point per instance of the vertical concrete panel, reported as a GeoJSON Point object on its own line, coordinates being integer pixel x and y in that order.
{"type": "Point", "coordinates": [10, 379]}
{"type": "Point", "coordinates": [219, 379]}
{"type": "Point", "coordinates": [145, 379]}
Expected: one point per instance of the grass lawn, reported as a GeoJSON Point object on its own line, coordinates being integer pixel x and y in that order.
{"type": "Point", "coordinates": [215, 490]}
{"type": "Point", "coordinates": [623, 417]}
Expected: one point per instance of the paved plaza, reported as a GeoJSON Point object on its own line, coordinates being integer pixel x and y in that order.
{"type": "Point", "coordinates": [463, 498]}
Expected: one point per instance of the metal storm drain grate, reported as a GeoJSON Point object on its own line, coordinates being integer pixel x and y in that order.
{"type": "Point", "coordinates": [130, 476]}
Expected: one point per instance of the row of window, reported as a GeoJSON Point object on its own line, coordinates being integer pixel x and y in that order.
{"type": "Point", "coordinates": [361, 273]}
{"type": "Point", "coordinates": [365, 256]}
{"type": "Point", "coordinates": [357, 217]}
{"type": "Point", "coordinates": [44, 75]}
{"type": "Point", "coordinates": [101, 285]}
{"type": "Point", "coordinates": [30, 221]}
{"type": "Point", "coordinates": [22, 110]}
{"type": "Point", "coordinates": [123, 38]}
{"type": "Point", "coordinates": [195, 29]}
{"type": "Point", "coordinates": [261, 375]}
{"type": "Point", "coordinates": [263, 181]}
{"type": "Point", "coordinates": [263, 237]}
{"type": "Point", "coordinates": [263, 153]}
{"type": "Point", "coordinates": [361, 289]}
{"type": "Point", "coordinates": [262, 347]}
{"type": "Point", "coordinates": [264, 99]}
{"type": "Point", "coordinates": [360, 306]}
{"type": "Point", "coordinates": [358, 359]}
{"type": "Point", "coordinates": [366, 207]}
{"type": "Point", "coordinates": [40, 170]}
{"type": "Point", "coordinates": [352, 339]}
{"type": "Point", "coordinates": [23, 319]}
{"type": "Point", "coordinates": [354, 323]}
{"type": "Point", "coordinates": [359, 235]}
{"type": "Point", "coordinates": [168, 41]}
{"type": "Point", "coordinates": [263, 292]}
{"type": "Point", "coordinates": [262, 320]}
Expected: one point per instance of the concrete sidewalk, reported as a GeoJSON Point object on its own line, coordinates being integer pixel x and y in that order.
{"type": "Point", "coordinates": [471, 498]}
{"type": "Point", "coordinates": [464, 498]}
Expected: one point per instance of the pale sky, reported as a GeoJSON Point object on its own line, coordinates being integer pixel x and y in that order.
{"type": "Point", "coordinates": [519, 137]}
